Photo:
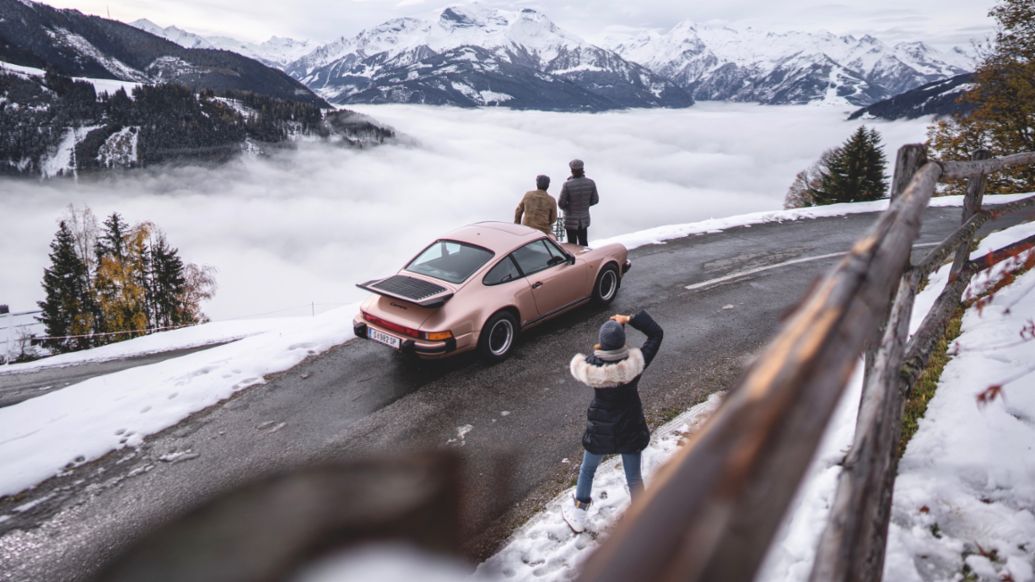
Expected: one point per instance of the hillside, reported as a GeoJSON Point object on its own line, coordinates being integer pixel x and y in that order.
{"type": "Point", "coordinates": [52, 125]}
{"type": "Point", "coordinates": [73, 44]}
{"type": "Point", "coordinates": [939, 98]}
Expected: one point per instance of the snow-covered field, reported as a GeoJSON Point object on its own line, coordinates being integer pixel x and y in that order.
{"type": "Point", "coordinates": [318, 220]}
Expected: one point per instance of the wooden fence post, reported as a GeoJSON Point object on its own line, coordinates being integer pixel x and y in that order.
{"type": "Point", "coordinates": [971, 206]}
{"type": "Point", "coordinates": [854, 539]}
{"type": "Point", "coordinates": [908, 160]}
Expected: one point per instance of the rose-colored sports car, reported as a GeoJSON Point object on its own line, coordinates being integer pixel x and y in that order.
{"type": "Point", "coordinates": [479, 286]}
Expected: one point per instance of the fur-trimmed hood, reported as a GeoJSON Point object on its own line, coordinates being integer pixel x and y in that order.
{"type": "Point", "coordinates": [610, 375]}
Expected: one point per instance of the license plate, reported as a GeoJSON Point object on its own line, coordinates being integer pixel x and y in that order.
{"type": "Point", "coordinates": [384, 338]}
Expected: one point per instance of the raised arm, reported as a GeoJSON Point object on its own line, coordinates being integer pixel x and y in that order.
{"type": "Point", "coordinates": [594, 198]}
{"type": "Point", "coordinates": [650, 328]}
{"type": "Point", "coordinates": [562, 202]}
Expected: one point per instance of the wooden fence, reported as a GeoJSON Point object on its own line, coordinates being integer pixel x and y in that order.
{"type": "Point", "coordinates": [712, 512]}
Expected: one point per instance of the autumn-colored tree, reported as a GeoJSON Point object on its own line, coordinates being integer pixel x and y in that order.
{"type": "Point", "coordinates": [806, 183]}
{"type": "Point", "coordinates": [122, 280]}
{"type": "Point", "coordinates": [1003, 119]}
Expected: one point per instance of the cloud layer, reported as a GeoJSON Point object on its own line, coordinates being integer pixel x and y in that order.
{"type": "Point", "coordinates": [305, 226]}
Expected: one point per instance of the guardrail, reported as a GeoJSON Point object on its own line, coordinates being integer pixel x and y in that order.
{"type": "Point", "coordinates": [712, 511]}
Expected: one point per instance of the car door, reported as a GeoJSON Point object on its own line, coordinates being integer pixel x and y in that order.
{"type": "Point", "coordinates": [556, 283]}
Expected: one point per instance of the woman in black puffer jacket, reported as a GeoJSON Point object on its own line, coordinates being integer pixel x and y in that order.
{"type": "Point", "coordinates": [615, 418]}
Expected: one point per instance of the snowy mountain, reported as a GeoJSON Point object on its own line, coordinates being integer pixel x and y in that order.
{"type": "Point", "coordinates": [744, 64]}
{"type": "Point", "coordinates": [940, 98]}
{"type": "Point", "coordinates": [33, 34]}
{"type": "Point", "coordinates": [473, 56]}
{"type": "Point", "coordinates": [275, 52]}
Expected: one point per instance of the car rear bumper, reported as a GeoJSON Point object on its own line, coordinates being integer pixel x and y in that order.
{"type": "Point", "coordinates": [408, 345]}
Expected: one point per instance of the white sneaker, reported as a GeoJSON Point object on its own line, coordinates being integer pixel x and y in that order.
{"type": "Point", "coordinates": [575, 515]}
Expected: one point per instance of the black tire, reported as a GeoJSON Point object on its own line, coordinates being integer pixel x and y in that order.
{"type": "Point", "coordinates": [605, 289]}
{"type": "Point", "coordinates": [498, 336]}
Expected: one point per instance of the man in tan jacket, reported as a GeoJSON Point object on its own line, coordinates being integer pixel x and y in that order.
{"type": "Point", "coordinates": [538, 207]}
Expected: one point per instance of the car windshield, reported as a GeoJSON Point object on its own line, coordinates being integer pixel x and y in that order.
{"type": "Point", "coordinates": [449, 260]}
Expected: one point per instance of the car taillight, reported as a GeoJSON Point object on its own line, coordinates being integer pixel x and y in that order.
{"type": "Point", "coordinates": [391, 326]}
{"type": "Point", "coordinates": [438, 335]}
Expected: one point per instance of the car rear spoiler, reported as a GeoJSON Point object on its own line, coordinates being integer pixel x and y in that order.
{"type": "Point", "coordinates": [380, 287]}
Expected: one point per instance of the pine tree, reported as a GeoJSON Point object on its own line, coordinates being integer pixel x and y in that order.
{"type": "Point", "coordinates": [1003, 119]}
{"type": "Point", "coordinates": [854, 172]}
{"type": "Point", "coordinates": [168, 285]}
{"type": "Point", "coordinates": [64, 310]}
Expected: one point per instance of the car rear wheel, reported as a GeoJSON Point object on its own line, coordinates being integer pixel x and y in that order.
{"type": "Point", "coordinates": [606, 287]}
{"type": "Point", "coordinates": [498, 336]}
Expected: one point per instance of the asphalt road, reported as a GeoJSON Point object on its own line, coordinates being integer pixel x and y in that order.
{"type": "Point", "coordinates": [525, 415]}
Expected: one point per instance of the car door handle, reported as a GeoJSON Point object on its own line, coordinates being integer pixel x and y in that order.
{"type": "Point", "coordinates": [537, 284]}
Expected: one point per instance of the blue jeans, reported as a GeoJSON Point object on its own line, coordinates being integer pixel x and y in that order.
{"type": "Point", "coordinates": [590, 462]}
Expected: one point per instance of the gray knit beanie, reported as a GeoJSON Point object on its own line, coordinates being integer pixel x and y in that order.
{"type": "Point", "coordinates": [612, 335]}
{"type": "Point", "coordinates": [542, 182]}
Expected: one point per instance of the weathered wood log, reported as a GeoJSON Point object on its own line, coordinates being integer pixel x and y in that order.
{"type": "Point", "coordinates": [908, 160]}
{"type": "Point", "coordinates": [939, 254]}
{"type": "Point", "coordinates": [971, 206]}
{"type": "Point", "coordinates": [971, 169]}
{"type": "Point", "coordinates": [997, 210]}
{"type": "Point", "coordinates": [264, 530]}
{"type": "Point", "coordinates": [999, 255]}
{"type": "Point", "coordinates": [713, 509]}
{"type": "Point", "coordinates": [853, 542]}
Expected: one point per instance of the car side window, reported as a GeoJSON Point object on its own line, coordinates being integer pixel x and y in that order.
{"type": "Point", "coordinates": [534, 257]}
{"type": "Point", "coordinates": [555, 252]}
{"type": "Point", "coordinates": [503, 272]}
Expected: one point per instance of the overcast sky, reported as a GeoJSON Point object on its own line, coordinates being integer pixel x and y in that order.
{"type": "Point", "coordinates": [942, 22]}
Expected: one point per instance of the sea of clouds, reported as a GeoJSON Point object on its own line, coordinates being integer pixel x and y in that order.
{"type": "Point", "coordinates": [304, 226]}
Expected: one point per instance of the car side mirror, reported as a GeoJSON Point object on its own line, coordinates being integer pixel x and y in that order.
{"type": "Point", "coordinates": [570, 260]}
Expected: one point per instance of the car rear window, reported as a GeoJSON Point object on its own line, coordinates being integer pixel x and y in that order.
{"type": "Point", "coordinates": [449, 260]}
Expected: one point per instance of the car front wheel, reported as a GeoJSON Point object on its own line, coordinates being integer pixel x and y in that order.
{"type": "Point", "coordinates": [606, 286]}
{"type": "Point", "coordinates": [498, 336]}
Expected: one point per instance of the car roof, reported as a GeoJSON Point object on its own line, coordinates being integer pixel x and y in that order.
{"type": "Point", "coordinates": [499, 237]}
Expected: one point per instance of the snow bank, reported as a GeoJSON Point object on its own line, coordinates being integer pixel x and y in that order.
{"type": "Point", "coordinates": [40, 436]}
{"type": "Point", "coordinates": [661, 234]}
{"type": "Point", "coordinates": [188, 337]}
{"type": "Point", "coordinates": [791, 556]}
{"type": "Point", "coordinates": [965, 492]}
{"type": "Point", "coordinates": [545, 548]}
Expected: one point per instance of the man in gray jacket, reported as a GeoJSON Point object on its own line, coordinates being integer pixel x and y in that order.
{"type": "Point", "coordinates": [577, 195]}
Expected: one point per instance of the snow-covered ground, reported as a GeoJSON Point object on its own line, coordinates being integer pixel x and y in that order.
{"type": "Point", "coordinates": [100, 85]}
{"type": "Point", "coordinates": [188, 337]}
{"type": "Point", "coordinates": [40, 436]}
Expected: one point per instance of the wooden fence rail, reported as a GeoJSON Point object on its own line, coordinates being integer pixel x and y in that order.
{"type": "Point", "coordinates": [712, 511]}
